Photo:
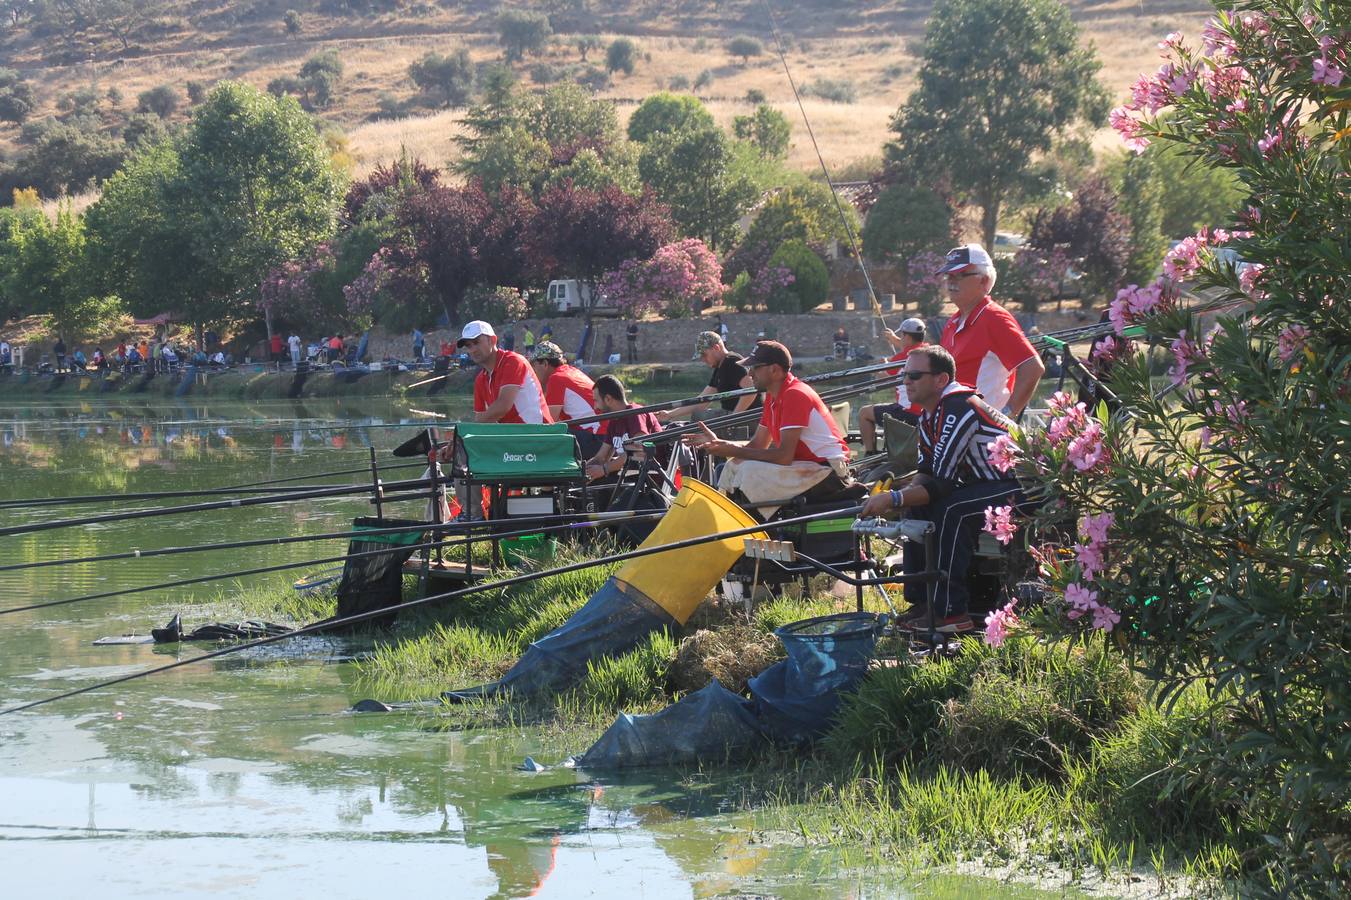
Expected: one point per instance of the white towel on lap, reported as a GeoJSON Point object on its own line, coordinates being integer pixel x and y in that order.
{"type": "Point", "coordinates": [761, 481]}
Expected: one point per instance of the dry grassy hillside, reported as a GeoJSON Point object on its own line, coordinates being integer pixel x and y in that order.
{"type": "Point", "coordinates": [867, 43]}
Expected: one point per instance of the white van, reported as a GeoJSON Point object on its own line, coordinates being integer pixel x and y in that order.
{"type": "Point", "coordinates": [571, 297]}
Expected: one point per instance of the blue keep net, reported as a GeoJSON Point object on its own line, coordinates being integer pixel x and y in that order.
{"type": "Point", "coordinates": [793, 701]}
{"type": "Point", "coordinates": [616, 619]}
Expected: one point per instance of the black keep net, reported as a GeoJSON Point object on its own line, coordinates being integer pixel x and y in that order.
{"type": "Point", "coordinates": [375, 581]}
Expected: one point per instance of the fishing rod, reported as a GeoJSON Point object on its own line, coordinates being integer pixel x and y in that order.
{"type": "Point", "coordinates": [868, 369]}
{"type": "Point", "coordinates": [449, 595]}
{"type": "Point", "coordinates": [442, 527]}
{"type": "Point", "coordinates": [163, 495]}
{"type": "Point", "coordinates": [290, 496]}
{"type": "Point", "coordinates": [281, 567]}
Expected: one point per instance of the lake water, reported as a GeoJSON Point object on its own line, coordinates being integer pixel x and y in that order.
{"type": "Point", "coordinates": [246, 775]}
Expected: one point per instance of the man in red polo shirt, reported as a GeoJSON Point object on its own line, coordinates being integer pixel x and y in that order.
{"type": "Point", "coordinates": [568, 393]}
{"type": "Point", "coordinates": [506, 390]}
{"type": "Point", "coordinates": [797, 444]}
{"type": "Point", "coordinates": [992, 353]}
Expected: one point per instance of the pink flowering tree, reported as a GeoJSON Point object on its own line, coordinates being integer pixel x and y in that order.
{"type": "Point", "coordinates": [1207, 531]}
{"type": "Point", "coordinates": [292, 293]}
{"type": "Point", "coordinates": [675, 281]}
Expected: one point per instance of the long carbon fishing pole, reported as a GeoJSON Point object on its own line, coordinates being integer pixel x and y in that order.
{"type": "Point", "coordinates": [443, 527]}
{"type": "Point", "coordinates": [281, 567]}
{"type": "Point", "coordinates": [450, 595]}
{"type": "Point", "coordinates": [319, 494]}
{"type": "Point", "coordinates": [259, 487]}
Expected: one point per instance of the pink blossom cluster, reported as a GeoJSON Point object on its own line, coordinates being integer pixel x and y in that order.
{"type": "Point", "coordinates": [1290, 342]}
{"type": "Point", "coordinates": [1326, 71]}
{"type": "Point", "coordinates": [921, 276]}
{"type": "Point", "coordinates": [999, 623]}
{"type": "Point", "coordinates": [289, 289]}
{"type": "Point", "coordinates": [999, 522]}
{"type": "Point", "coordinates": [1185, 353]}
{"type": "Point", "coordinates": [1082, 601]}
{"type": "Point", "coordinates": [1004, 453]}
{"type": "Point", "coordinates": [362, 292]}
{"type": "Point", "coordinates": [1247, 280]}
{"type": "Point", "coordinates": [1093, 537]}
{"type": "Point", "coordinates": [675, 280]}
{"type": "Point", "coordinates": [1082, 436]}
{"type": "Point", "coordinates": [1131, 130]}
{"type": "Point", "coordinates": [1108, 351]}
{"type": "Point", "coordinates": [1133, 303]}
{"type": "Point", "coordinates": [768, 280]}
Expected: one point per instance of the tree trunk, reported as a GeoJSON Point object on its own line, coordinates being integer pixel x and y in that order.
{"type": "Point", "coordinates": [989, 220]}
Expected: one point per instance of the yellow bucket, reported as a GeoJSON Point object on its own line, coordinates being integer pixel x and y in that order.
{"type": "Point", "coordinates": [679, 580]}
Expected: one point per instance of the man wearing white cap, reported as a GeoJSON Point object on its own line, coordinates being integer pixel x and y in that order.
{"type": "Point", "coordinates": [992, 353]}
{"type": "Point", "coordinates": [506, 390]}
{"type": "Point", "coordinates": [911, 336]}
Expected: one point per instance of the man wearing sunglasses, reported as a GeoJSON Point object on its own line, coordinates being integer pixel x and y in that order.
{"type": "Point", "coordinates": [992, 353]}
{"type": "Point", "coordinates": [954, 484]}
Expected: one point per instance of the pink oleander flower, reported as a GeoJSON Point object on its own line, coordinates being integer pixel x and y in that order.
{"type": "Point", "coordinates": [1325, 73]}
{"type": "Point", "coordinates": [1090, 559]}
{"type": "Point", "coordinates": [1105, 618]}
{"type": "Point", "coordinates": [1130, 129]}
{"type": "Point", "coordinates": [1204, 436]}
{"type": "Point", "coordinates": [1185, 352]}
{"type": "Point", "coordinates": [1080, 600]}
{"type": "Point", "coordinates": [1088, 451]}
{"type": "Point", "coordinates": [1290, 342]}
{"type": "Point", "coordinates": [999, 623]}
{"type": "Point", "coordinates": [1215, 41]}
{"type": "Point", "coordinates": [1094, 528]}
{"type": "Point", "coordinates": [1061, 402]}
{"type": "Point", "coordinates": [1185, 258]}
{"type": "Point", "coordinates": [999, 522]}
{"type": "Point", "coordinates": [1064, 427]}
{"type": "Point", "coordinates": [1004, 453]}
{"type": "Point", "coordinates": [1172, 41]}
{"type": "Point", "coordinates": [1269, 142]}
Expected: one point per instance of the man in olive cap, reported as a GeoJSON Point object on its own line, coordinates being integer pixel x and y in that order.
{"type": "Point", "coordinates": [729, 374]}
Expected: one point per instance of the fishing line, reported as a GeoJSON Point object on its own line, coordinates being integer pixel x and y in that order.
{"type": "Point", "coordinates": [281, 567]}
{"type": "Point", "coordinates": [461, 592]}
{"type": "Point", "coordinates": [834, 193]}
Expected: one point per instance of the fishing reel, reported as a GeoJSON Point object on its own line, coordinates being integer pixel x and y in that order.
{"type": "Point", "coordinates": [895, 529]}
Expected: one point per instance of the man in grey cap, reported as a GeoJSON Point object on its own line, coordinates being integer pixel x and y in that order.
{"type": "Point", "coordinates": [911, 336]}
{"type": "Point", "coordinates": [729, 374]}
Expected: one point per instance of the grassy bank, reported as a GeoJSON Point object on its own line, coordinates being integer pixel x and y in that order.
{"type": "Point", "coordinates": [1032, 758]}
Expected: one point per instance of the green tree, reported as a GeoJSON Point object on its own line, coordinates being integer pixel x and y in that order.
{"type": "Point", "coordinates": [46, 271]}
{"type": "Point", "coordinates": [694, 172]}
{"type": "Point", "coordinates": [1139, 199]}
{"type": "Point", "coordinates": [160, 101]}
{"type": "Point", "coordinates": [766, 129]}
{"type": "Point", "coordinates": [1000, 80]}
{"type": "Point", "coordinates": [585, 43]}
{"type": "Point", "coordinates": [319, 77]}
{"type": "Point", "coordinates": [907, 220]}
{"type": "Point", "coordinates": [452, 76]}
{"type": "Point", "coordinates": [66, 159]}
{"type": "Point", "coordinates": [1193, 195]}
{"type": "Point", "coordinates": [744, 47]}
{"type": "Point", "coordinates": [621, 56]}
{"type": "Point", "coordinates": [293, 23]}
{"type": "Point", "coordinates": [811, 279]}
{"type": "Point", "coordinates": [249, 185]}
{"type": "Point", "coordinates": [510, 157]}
{"type": "Point", "coordinates": [522, 31]}
{"type": "Point", "coordinates": [16, 97]}
{"type": "Point", "coordinates": [665, 113]}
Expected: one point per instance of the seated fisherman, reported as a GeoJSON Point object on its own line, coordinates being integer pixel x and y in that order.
{"type": "Point", "coordinates": [616, 433]}
{"type": "Point", "coordinates": [729, 374]}
{"type": "Point", "coordinates": [506, 390]}
{"type": "Point", "coordinates": [955, 484]}
{"type": "Point", "coordinates": [568, 393]}
{"type": "Point", "coordinates": [869, 417]}
{"type": "Point", "coordinates": [797, 444]}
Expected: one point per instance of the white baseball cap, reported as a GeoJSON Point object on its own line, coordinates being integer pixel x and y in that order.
{"type": "Point", "coordinates": [959, 258]}
{"type": "Point", "coordinates": [913, 326]}
{"type": "Point", "coordinates": [475, 329]}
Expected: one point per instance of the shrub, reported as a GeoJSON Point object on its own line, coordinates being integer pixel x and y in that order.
{"type": "Point", "coordinates": [16, 97]}
{"type": "Point", "coordinates": [621, 56]}
{"type": "Point", "coordinates": [678, 83]}
{"type": "Point", "coordinates": [811, 280]}
{"type": "Point", "coordinates": [292, 22]}
{"type": "Point", "coordinates": [523, 31]}
{"type": "Point", "coordinates": [744, 47]}
{"type": "Point", "coordinates": [703, 80]}
{"type": "Point", "coordinates": [755, 96]}
{"type": "Point", "coordinates": [160, 101]}
{"type": "Point", "coordinates": [450, 77]}
{"type": "Point", "coordinates": [836, 90]}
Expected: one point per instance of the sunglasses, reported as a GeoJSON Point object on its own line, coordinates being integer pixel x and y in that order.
{"type": "Point", "coordinates": [915, 376]}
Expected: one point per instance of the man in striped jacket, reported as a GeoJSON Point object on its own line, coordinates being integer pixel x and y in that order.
{"type": "Point", "coordinates": [954, 485]}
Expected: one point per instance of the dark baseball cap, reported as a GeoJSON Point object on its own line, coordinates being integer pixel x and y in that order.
{"type": "Point", "coordinates": [769, 353]}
